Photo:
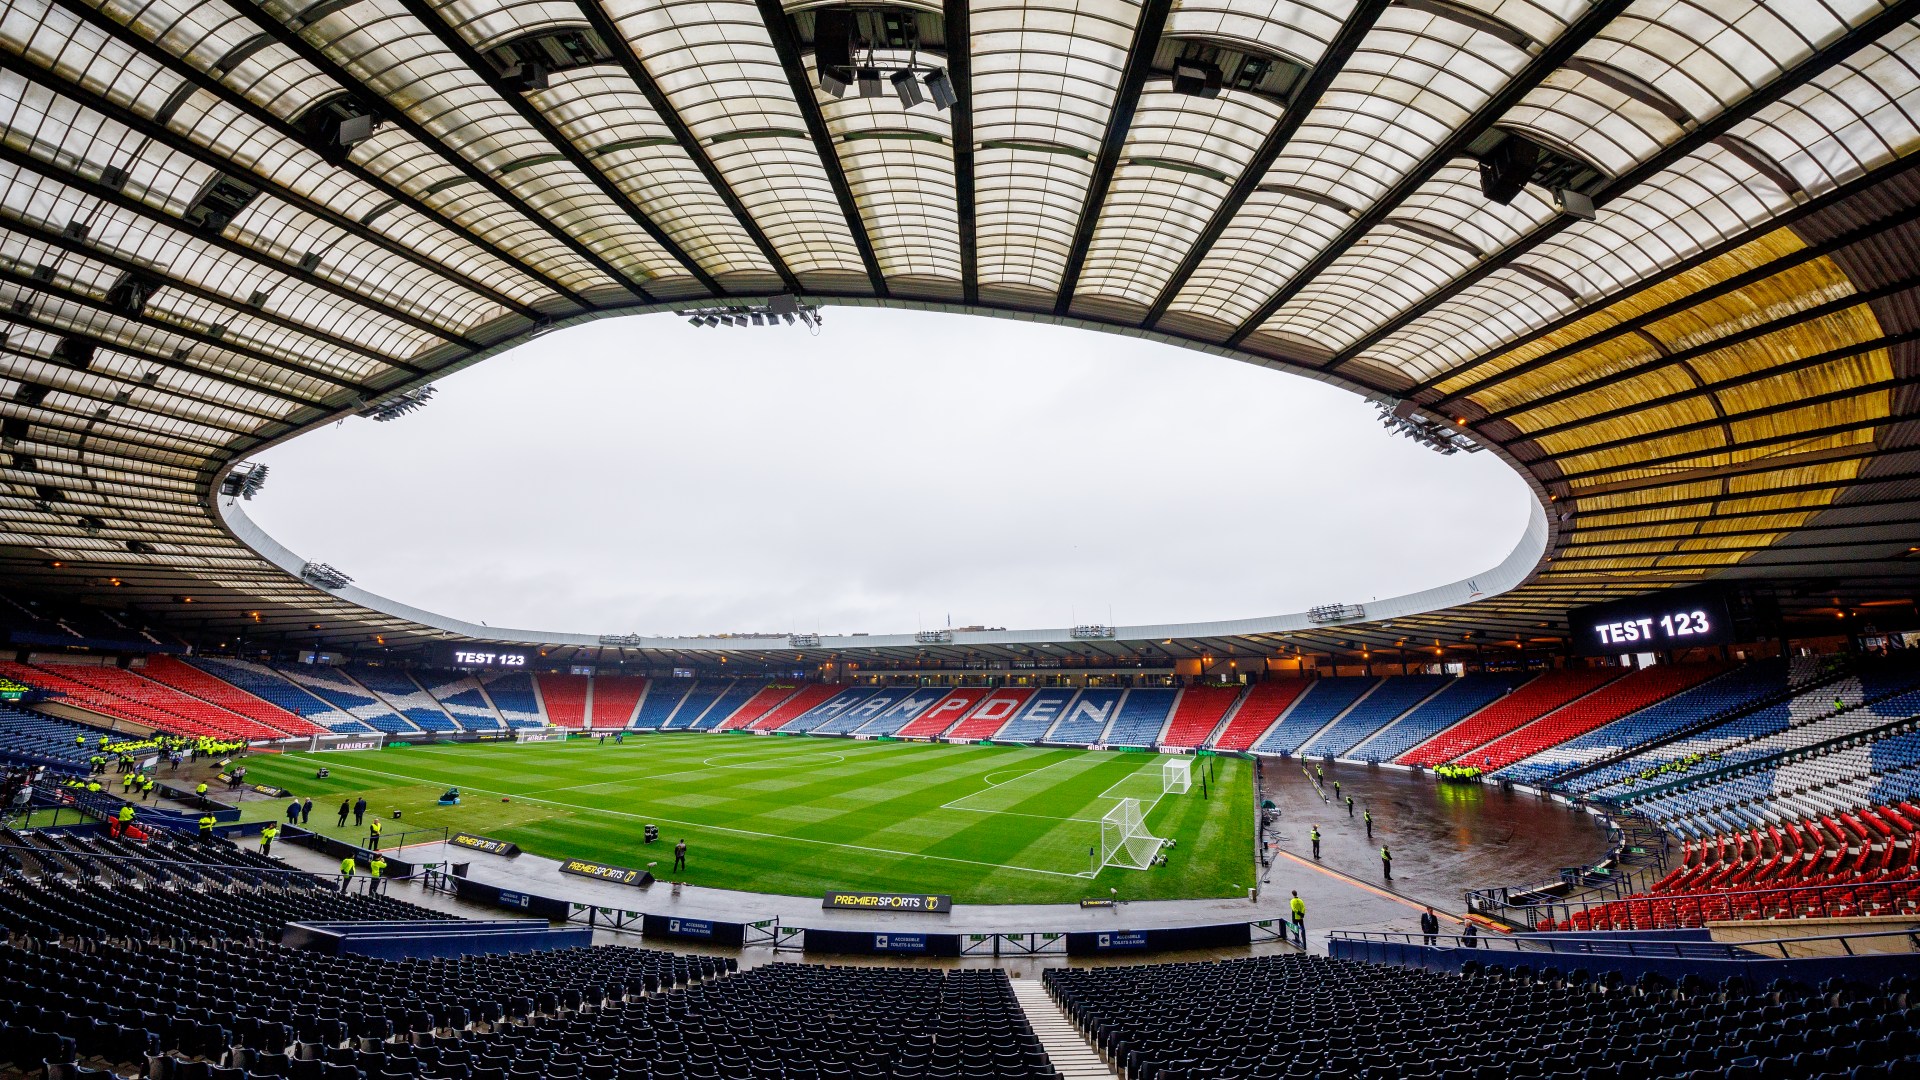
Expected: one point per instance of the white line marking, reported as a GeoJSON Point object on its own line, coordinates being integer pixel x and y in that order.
{"type": "Point", "coordinates": [721, 828]}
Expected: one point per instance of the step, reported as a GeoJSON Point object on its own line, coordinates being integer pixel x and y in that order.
{"type": "Point", "coordinates": [1069, 1051]}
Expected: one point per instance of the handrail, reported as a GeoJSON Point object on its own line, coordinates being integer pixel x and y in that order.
{"type": "Point", "coordinates": [1703, 905]}
{"type": "Point", "coordinates": [1620, 855]}
{"type": "Point", "coordinates": [1615, 945]}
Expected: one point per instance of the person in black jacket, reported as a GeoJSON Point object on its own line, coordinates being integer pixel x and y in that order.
{"type": "Point", "coordinates": [1430, 926]}
{"type": "Point", "coordinates": [345, 808]}
{"type": "Point", "coordinates": [359, 810]}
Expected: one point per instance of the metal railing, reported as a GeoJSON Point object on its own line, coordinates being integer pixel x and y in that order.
{"type": "Point", "coordinates": [1662, 911]}
{"type": "Point", "coordinates": [1380, 946]}
{"type": "Point", "coordinates": [1636, 858]}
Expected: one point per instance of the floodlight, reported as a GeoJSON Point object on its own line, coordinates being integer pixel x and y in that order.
{"type": "Point", "coordinates": [1574, 203]}
{"type": "Point", "coordinates": [907, 87]}
{"type": "Point", "coordinates": [941, 88]}
{"type": "Point", "coordinates": [1196, 78]}
{"type": "Point", "coordinates": [834, 81]}
{"type": "Point", "coordinates": [869, 82]}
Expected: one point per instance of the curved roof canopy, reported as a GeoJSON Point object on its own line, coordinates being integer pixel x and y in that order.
{"type": "Point", "coordinates": [1662, 255]}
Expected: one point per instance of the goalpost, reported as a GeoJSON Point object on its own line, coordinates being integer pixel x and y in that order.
{"type": "Point", "coordinates": [1124, 839]}
{"type": "Point", "coordinates": [1176, 776]}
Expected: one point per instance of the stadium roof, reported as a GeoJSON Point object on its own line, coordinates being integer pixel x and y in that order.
{"type": "Point", "coordinates": [227, 222]}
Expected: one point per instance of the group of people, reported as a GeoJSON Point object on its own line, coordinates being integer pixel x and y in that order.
{"type": "Point", "coordinates": [1681, 765]}
{"type": "Point", "coordinates": [1469, 936]}
{"type": "Point", "coordinates": [376, 867]}
{"type": "Point", "coordinates": [1313, 833]}
{"type": "Point", "coordinates": [1459, 774]}
{"type": "Point", "coordinates": [358, 808]}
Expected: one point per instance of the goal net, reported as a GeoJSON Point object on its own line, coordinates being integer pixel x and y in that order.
{"type": "Point", "coordinates": [546, 734]}
{"type": "Point", "coordinates": [1124, 839]}
{"type": "Point", "coordinates": [1176, 776]}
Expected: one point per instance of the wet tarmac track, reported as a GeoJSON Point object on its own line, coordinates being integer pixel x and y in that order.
{"type": "Point", "coordinates": [1445, 839]}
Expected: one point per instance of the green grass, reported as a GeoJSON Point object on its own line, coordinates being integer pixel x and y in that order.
{"type": "Point", "coordinates": [799, 815]}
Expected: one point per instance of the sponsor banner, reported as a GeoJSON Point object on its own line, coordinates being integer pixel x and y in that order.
{"type": "Point", "coordinates": [482, 843]}
{"type": "Point", "coordinates": [1171, 939]}
{"type": "Point", "coordinates": [925, 903]}
{"type": "Point", "coordinates": [619, 875]}
{"type": "Point", "coordinates": [355, 744]}
{"type": "Point", "coordinates": [885, 943]}
{"type": "Point", "coordinates": [685, 929]}
{"type": "Point", "coordinates": [480, 892]}
{"type": "Point", "coordinates": [270, 791]}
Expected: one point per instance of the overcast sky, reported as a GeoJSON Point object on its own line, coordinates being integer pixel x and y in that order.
{"type": "Point", "coordinates": [641, 475]}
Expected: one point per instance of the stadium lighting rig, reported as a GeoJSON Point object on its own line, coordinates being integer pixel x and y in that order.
{"type": "Point", "coordinates": [782, 308]}
{"type": "Point", "coordinates": [326, 577]}
{"type": "Point", "coordinates": [245, 481]}
{"type": "Point", "coordinates": [399, 405]}
{"type": "Point", "coordinates": [846, 46]}
{"type": "Point", "coordinates": [620, 641]}
{"type": "Point", "coordinates": [1402, 419]}
{"type": "Point", "coordinates": [1323, 614]}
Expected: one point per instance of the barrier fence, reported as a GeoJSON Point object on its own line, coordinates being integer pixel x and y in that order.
{"type": "Point", "coordinates": [772, 933]}
{"type": "Point", "coordinates": [1679, 910]}
{"type": "Point", "coordinates": [1676, 956]}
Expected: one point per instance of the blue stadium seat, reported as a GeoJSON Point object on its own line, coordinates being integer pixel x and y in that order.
{"type": "Point", "coordinates": [1460, 699]}
{"type": "Point", "coordinates": [1324, 700]}
{"type": "Point", "coordinates": [1085, 719]}
{"type": "Point", "coordinates": [1142, 715]}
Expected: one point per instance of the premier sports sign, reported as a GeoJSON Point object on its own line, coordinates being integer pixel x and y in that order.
{"type": "Point", "coordinates": [483, 843]}
{"type": "Point", "coordinates": [619, 875]}
{"type": "Point", "coordinates": [923, 903]}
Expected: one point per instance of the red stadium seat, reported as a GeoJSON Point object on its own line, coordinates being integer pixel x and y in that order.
{"type": "Point", "coordinates": [1261, 706]}
{"type": "Point", "coordinates": [1523, 706]}
{"type": "Point", "coordinates": [1198, 713]}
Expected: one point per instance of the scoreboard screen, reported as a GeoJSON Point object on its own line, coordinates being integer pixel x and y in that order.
{"type": "Point", "coordinates": [1673, 619]}
{"type": "Point", "coordinates": [486, 656]}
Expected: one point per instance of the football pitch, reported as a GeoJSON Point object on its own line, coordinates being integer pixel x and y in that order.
{"type": "Point", "coordinates": [800, 815]}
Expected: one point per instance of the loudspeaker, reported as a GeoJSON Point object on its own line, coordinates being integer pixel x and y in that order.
{"type": "Point", "coordinates": [833, 48]}
{"type": "Point", "coordinates": [1506, 170]}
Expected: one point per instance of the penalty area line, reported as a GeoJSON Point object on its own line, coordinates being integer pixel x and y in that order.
{"type": "Point", "coordinates": [726, 828]}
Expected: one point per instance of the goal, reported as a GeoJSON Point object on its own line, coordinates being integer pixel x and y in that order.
{"type": "Point", "coordinates": [1124, 839]}
{"type": "Point", "coordinates": [1176, 776]}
